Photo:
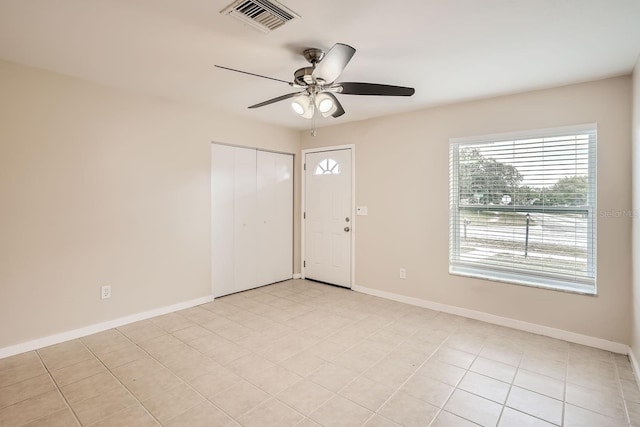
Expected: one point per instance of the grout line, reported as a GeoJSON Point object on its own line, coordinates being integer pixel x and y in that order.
{"type": "Point", "coordinates": [73, 412]}
{"type": "Point", "coordinates": [621, 390]}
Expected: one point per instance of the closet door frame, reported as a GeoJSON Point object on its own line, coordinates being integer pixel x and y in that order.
{"type": "Point", "coordinates": [215, 287]}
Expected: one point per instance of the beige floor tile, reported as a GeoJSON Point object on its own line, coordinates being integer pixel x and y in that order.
{"type": "Point", "coordinates": [215, 382]}
{"type": "Point", "coordinates": [544, 366]}
{"type": "Point", "coordinates": [465, 341]}
{"type": "Point", "coordinates": [296, 349]}
{"type": "Point", "coordinates": [486, 387]}
{"type": "Point", "coordinates": [239, 399]}
{"type": "Point", "coordinates": [219, 349]}
{"type": "Point", "coordinates": [442, 372]}
{"type": "Point", "coordinates": [32, 409]}
{"type": "Point", "coordinates": [392, 373]}
{"type": "Point", "coordinates": [575, 416]}
{"type": "Point", "coordinates": [250, 365]}
{"type": "Point", "coordinates": [333, 377]}
{"type": "Point", "coordinates": [141, 331]}
{"type": "Point", "coordinates": [234, 331]}
{"type": "Point", "coordinates": [604, 403]}
{"type": "Point", "coordinates": [447, 419]}
{"type": "Point", "coordinates": [16, 373]}
{"type": "Point", "coordinates": [29, 357]}
{"type": "Point", "coordinates": [303, 363]}
{"type": "Point", "coordinates": [272, 413]}
{"type": "Point", "coordinates": [502, 354]}
{"type": "Point", "coordinates": [367, 393]}
{"type": "Point", "coordinates": [474, 408]}
{"type": "Point", "coordinates": [61, 418]}
{"type": "Point", "coordinates": [172, 322]}
{"type": "Point", "coordinates": [163, 345]}
{"type": "Point", "coordinates": [380, 421]}
{"type": "Point", "coordinates": [134, 416]}
{"type": "Point", "coordinates": [275, 379]}
{"type": "Point", "coordinates": [494, 369]}
{"type": "Point", "coordinates": [202, 415]}
{"type": "Point", "coordinates": [103, 405]}
{"type": "Point", "coordinates": [145, 378]}
{"type": "Point", "coordinates": [122, 355]}
{"type": "Point", "coordinates": [105, 342]}
{"type": "Point", "coordinates": [65, 354]}
{"type": "Point", "coordinates": [26, 389]}
{"type": "Point", "coordinates": [92, 386]}
{"type": "Point", "coordinates": [173, 402]}
{"type": "Point", "coordinates": [198, 315]}
{"type": "Point", "coordinates": [406, 410]}
{"type": "Point", "coordinates": [540, 384]}
{"type": "Point", "coordinates": [77, 372]}
{"type": "Point", "coordinates": [305, 396]}
{"type": "Point", "coordinates": [634, 413]}
{"type": "Point", "coordinates": [535, 404]}
{"type": "Point", "coordinates": [513, 418]}
{"type": "Point", "coordinates": [191, 333]}
{"type": "Point", "coordinates": [428, 389]}
{"type": "Point", "coordinates": [339, 411]}
{"type": "Point", "coordinates": [454, 357]}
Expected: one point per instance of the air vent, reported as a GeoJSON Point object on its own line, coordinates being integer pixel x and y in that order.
{"type": "Point", "coordinates": [261, 14]}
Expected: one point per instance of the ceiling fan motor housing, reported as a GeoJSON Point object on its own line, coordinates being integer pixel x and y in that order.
{"type": "Point", "coordinates": [303, 76]}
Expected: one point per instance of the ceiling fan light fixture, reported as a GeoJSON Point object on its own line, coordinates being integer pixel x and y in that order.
{"type": "Point", "coordinates": [325, 104]}
{"type": "Point", "coordinates": [303, 106]}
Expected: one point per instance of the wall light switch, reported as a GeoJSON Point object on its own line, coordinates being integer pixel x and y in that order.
{"type": "Point", "coordinates": [362, 210]}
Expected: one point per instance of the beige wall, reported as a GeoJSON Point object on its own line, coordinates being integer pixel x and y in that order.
{"type": "Point", "coordinates": [635, 128]}
{"type": "Point", "coordinates": [402, 176]}
{"type": "Point", "coordinates": [99, 186]}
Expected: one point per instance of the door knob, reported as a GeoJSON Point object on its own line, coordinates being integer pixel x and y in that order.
{"type": "Point", "coordinates": [347, 229]}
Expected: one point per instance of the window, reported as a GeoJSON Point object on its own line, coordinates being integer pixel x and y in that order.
{"type": "Point", "coordinates": [522, 208]}
{"type": "Point", "coordinates": [327, 167]}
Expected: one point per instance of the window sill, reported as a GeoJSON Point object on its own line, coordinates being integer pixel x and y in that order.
{"type": "Point", "coordinates": [522, 280]}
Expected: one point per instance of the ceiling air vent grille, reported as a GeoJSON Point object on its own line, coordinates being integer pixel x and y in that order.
{"type": "Point", "coordinates": [261, 14]}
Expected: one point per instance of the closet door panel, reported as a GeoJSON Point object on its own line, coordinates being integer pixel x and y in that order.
{"type": "Point", "coordinates": [222, 219]}
{"type": "Point", "coordinates": [275, 225]}
{"type": "Point", "coordinates": [245, 219]}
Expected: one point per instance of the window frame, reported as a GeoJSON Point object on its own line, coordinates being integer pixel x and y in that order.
{"type": "Point", "coordinates": [514, 275]}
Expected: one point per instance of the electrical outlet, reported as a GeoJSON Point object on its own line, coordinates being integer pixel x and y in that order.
{"type": "Point", "coordinates": [403, 273]}
{"type": "Point", "coordinates": [105, 292]}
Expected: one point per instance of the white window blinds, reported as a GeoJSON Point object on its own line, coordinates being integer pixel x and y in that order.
{"type": "Point", "coordinates": [522, 208]}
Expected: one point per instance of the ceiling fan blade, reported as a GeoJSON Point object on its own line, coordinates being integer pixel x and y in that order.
{"type": "Point", "coordinates": [280, 98]}
{"type": "Point", "coordinates": [253, 74]}
{"type": "Point", "coordinates": [333, 63]}
{"type": "Point", "coordinates": [339, 110]}
{"type": "Point", "coordinates": [351, 88]}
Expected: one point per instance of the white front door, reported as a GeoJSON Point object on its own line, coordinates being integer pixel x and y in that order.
{"type": "Point", "coordinates": [328, 223]}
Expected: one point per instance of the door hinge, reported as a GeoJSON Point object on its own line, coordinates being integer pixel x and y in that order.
{"type": "Point", "coordinates": [304, 215]}
{"type": "Point", "coordinates": [304, 263]}
{"type": "Point", "coordinates": [305, 166]}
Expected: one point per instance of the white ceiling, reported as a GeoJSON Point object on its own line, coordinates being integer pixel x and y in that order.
{"type": "Point", "coordinates": [449, 50]}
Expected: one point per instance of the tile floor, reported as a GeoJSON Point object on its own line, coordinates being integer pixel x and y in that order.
{"type": "Point", "coordinates": [306, 354]}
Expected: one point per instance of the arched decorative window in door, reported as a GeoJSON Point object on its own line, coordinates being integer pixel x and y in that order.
{"type": "Point", "coordinates": [327, 167]}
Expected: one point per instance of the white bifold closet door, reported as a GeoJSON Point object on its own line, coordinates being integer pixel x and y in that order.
{"type": "Point", "coordinates": [252, 218]}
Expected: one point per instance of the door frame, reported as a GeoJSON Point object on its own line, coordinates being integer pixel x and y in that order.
{"type": "Point", "coordinates": [303, 194]}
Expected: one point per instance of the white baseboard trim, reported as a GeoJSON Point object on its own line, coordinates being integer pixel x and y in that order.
{"type": "Point", "coordinates": [297, 276]}
{"type": "Point", "coordinates": [98, 327]}
{"type": "Point", "coordinates": [573, 337]}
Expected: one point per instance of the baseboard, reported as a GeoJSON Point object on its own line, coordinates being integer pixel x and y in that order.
{"type": "Point", "coordinates": [573, 337]}
{"type": "Point", "coordinates": [98, 327]}
{"type": "Point", "coordinates": [297, 276]}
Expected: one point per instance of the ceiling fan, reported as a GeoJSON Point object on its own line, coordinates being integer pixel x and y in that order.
{"type": "Point", "coordinates": [319, 86]}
